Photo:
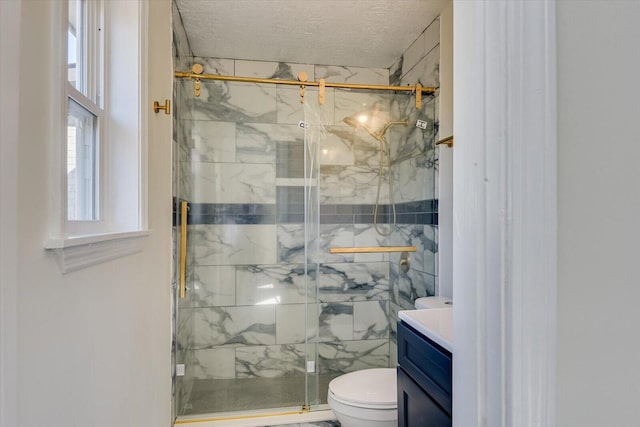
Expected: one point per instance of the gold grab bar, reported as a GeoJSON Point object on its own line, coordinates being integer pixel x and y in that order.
{"type": "Point", "coordinates": [372, 250]}
{"type": "Point", "coordinates": [183, 248]}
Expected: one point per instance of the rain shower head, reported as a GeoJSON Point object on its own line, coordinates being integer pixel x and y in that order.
{"type": "Point", "coordinates": [361, 122]}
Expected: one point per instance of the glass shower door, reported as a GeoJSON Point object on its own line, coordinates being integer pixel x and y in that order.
{"type": "Point", "coordinates": [243, 328]}
{"type": "Point", "coordinates": [376, 189]}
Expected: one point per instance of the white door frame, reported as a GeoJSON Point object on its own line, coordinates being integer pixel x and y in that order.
{"type": "Point", "coordinates": [504, 245]}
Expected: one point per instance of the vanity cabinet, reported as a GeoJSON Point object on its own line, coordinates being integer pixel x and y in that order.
{"type": "Point", "coordinates": [424, 380]}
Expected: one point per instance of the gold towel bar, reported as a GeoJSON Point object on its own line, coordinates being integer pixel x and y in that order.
{"type": "Point", "coordinates": [446, 141]}
{"type": "Point", "coordinates": [375, 249]}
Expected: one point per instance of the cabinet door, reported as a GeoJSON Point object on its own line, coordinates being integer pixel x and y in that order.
{"type": "Point", "coordinates": [416, 408]}
{"type": "Point", "coordinates": [427, 364]}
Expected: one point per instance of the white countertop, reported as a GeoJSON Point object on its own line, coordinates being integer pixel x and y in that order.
{"type": "Point", "coordinates": [434, 323]}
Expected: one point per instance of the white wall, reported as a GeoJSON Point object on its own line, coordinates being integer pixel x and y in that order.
{"type": "Point", "coordinates": [599, 213]}
{"type": "Point", "coordinates": [9, 78]}
{"type": "Point", "coordinates": [93, 346]}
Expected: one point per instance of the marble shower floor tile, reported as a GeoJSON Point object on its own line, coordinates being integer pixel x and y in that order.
{"type": "Point", "coordinates": [242, 394]}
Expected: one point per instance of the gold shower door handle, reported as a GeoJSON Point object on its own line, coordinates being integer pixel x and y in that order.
{"type": "Point", "coordinates": [183, 248]}
{"type": "Point", "coordinates": [372, 250]}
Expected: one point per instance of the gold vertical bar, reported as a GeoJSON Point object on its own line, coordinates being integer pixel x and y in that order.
{"type": "Point", "coordinates": [183, 249]}
{"type": "Point", "coordinates": [418, 96]}
{"type": "Point", "coordinates": [321, 92]}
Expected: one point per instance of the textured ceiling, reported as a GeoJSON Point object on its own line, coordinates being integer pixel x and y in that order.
{"type": "Point", "coordinates": [363, 33]}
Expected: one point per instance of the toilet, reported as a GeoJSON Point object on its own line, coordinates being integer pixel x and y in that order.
{"type": "Point", "coordinates": [368, 398]}
{"type": "Point", "coordinates": [365, 398]}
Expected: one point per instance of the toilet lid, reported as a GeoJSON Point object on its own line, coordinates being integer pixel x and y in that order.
{"type": "Point", "coordinates": [376, 387]}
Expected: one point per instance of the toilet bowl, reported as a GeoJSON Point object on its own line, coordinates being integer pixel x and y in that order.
{"type": "Point", "coordinates": [368, 398]}
{"type": "Point", "coordinates": [365, 398]}
{"type": "Point", "coordinates": [433, 302]}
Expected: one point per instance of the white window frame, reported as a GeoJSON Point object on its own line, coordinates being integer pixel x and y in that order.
{"type": "Point", "coordinates": [120, 227]}
{"type": "Point", "coordinates": [91, 99]}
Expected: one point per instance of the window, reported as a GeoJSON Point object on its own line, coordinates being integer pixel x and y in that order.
{"type": "Point", "coordinates": [99, 203]}
{"type": "Point", "coordinates": [85, 109]}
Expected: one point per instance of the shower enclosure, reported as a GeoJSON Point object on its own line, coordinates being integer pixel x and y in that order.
{"type": "Point", "coordinates": [270, 315]}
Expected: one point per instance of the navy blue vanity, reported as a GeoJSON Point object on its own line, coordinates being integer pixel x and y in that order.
{"type": "Point", "coordinates": [424, 369]}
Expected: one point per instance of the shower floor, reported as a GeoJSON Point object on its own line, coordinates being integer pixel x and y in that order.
{"type": "Point", "coordinates": [243, 394]}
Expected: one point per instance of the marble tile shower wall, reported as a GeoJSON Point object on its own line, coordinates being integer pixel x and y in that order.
{"type": "Point", "coordinates": [419, 63]}
{"type": "Point", "coordinates": [242, 149]}
{"type": "Point", "coordinates": [182, 329]}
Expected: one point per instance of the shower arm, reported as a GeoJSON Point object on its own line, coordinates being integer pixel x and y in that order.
{"type": "Point", "coordinates": [389, 124]}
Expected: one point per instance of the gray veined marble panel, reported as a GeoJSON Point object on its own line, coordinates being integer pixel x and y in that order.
{"type": "Point", "coordinates": [184, 184]}
{"type": "Point", "coordinates": [270, 361]}
{"type": "Point", "coordinates": [291, 327]}
{"type": "Point", "coordinates": [292, 111]}
{"type": "Point", "coordinates": [235, 102]}
{"type": "Point", "coordinates": [426, 71]}
{"type": "Point", "coordinates": [365, 235]}
{"type": "Point", "coordinates": [374, 106]}
{"type": "Point", "coordinates": [429, 39]}
{"type": "Point", "coordinates": [370, 320]}
{"type": "Point", "coordinates": [185, 332]}
{"type": "Point", "coordinates": [366, 150]}
{"type": "Point", "coordinates": [415, 178]}
{"type": "Point", "coordinates": [407, 287]}
{"type": "Point", "coordinates": [337, 148]}
{"type": "Point", "coordinates": [349, 356]}
{"type": "Point", "coordinates": [233, 244]}
{"type": "Point", "coordinates": [410, 235]}
{"type": "Point", "coordinates": [271, 70]}
{"type": "Point", "coordinates": [257, 142]}
{"type": "Point", "coordinates": [432, 35]}
{"type": "Point", "coordinates": [234, 325]}
{"type": "Point", "coordinates": [335, 236]}
{"type": "Point", "coordinates": [220, 66]}
{"type": "Point", "coordinates": [271, 284]}
{"type": "Point", "coordinates": [412, 141]}
{"type": "Point", "coordinates": [395, 72]}
{"type": "Point", "coordinates": [394, 309]}
{"type": "Point", "coordinates": [233, 183]}
{"type": "Point", "coordinates": [212, 286]}
{"type": "Point", "coordinates": [338, 74]}
{"type": "Point", "coordinates": [181, 49]}
{"type": "Point", "coordinates": [354, 282]}
{"type": "Point", "coordinates": [351, 184]}
{"type": "Point", "coordinates": [336, 322]}
{"type": "Point", "coordinates": [214, 363]}
{"type": "Point", "coordinates": [213, 141]}
{"type": "Point", "coordinates": [291, 243]}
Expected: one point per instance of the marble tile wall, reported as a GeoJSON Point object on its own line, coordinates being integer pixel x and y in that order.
{"type": "Point", "coordinates": [251, 305]}
{"type": "Point", "coordinates": [181, 182]}
{"type": "Point", "coordinates": [419, 63]}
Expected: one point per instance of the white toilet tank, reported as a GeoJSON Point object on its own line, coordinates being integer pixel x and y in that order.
{"type": "Point", "coordinates": [433, 302]}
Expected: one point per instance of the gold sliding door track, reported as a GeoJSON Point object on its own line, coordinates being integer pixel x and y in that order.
{"type": "Point", "coordinates": [197, 75]}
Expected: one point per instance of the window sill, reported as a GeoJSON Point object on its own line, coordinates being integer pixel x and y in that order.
{"type": "Point", "coordinates": [76, 253]}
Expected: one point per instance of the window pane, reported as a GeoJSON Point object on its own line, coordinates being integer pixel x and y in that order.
{"type": "Point", "coordinates": [76, 43]}
{"type": "Point", "coordinates": [82, 149]}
